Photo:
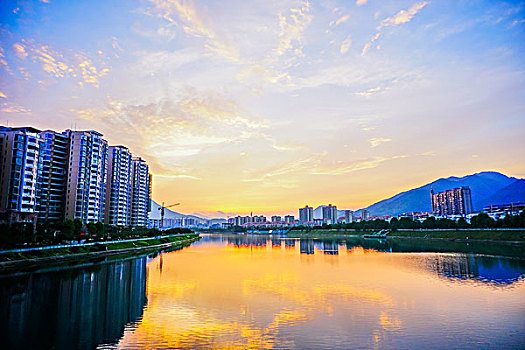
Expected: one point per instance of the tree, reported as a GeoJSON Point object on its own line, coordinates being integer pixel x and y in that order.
{"type": "Point", "coordinates": [462, 223]}
{"type": "Point", "coordinates": [482, 220]}
{"type": "Point", "coordinates": [407, 223]}
{"type": "Point", "coordinates": [78, 226]}
{"type": "Point", "coordinates": [429, 223]}
{"type": "Point", "coordinates": [394, 224]}
{"type": "Point", "coordinates": [92, 228]}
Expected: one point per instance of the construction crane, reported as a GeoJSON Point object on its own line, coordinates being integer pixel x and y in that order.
{"type": "Point", "coordinates": [162, 212]}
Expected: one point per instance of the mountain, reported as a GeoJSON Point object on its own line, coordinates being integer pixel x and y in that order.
{"type": "Point", "coordinates": [483, 186]}
{"type": "Point", "coordinates": [170, 214]}
{"type": "Point", "coordinates": [513, 193]}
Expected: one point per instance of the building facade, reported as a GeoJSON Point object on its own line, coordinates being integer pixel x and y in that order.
{"type": "Point", "coordinates": [141, 183]}
{"type": "Point", "coordinates": [118, 195]}
{"type": "Point", "coordinates": [349, 216]}
{"type": "Point", "coordinates": [306, 214]}
{"type": "Point", "coordinates": [87, 173]}
{"type": "Point", "coordinates": [289, 219]}
{"type": "Point", "coordinates": [19, 170]}
{"type": "Point", "coordinates": [330, 214]}
{"type": "Point", "coordinates": [51, 191]}
{"type": "Point", "coordinates": [457, 201]}
{"type": "Point", "coordinates": [70, 175]}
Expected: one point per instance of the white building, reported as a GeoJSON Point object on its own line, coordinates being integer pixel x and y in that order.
{"type": "Point", "coordinates": [118, 198]}
{"type": "Point", "coordinates": [19, 166]}
{"type": "Point", "coordinates": [140, 192]}
{"type": "Point", "coordinates": [87, 171]}
{"type": "Point", "coordinates": [306, 214]}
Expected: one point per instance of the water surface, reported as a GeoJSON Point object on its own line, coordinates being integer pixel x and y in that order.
{"type": "Point", "coordinates": [233, 291]}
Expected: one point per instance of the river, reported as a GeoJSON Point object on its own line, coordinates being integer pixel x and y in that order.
{"type": "Point", "coordinates": [237, 291]}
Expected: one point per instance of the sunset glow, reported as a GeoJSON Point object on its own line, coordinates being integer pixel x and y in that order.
{"type": "Point", "coordinates": [266, 106]}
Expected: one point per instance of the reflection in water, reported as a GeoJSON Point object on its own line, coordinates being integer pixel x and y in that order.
{"type": "Point", "coordinates": [254, 291]}
{"type": "Point", "coordinates": [307, 246]}
{"type": "Point", "coordinates": [487, 269]}
{"type": "Point", "coordinates": [250, 291]}
{"type": "Point", "coordinates": [330, 247]}
{"type": "Point", "coordinates": [69, 309]}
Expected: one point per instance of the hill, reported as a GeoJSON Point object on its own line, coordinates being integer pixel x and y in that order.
{"type": "Point", "coordinates": [513, 193]}
{"type": "Point", "coordinates": [170, 214]}
{"type": "Point", "coordinates": [484, 186]}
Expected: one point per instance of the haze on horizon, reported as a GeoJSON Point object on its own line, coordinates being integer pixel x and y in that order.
{"type": "Point", "coordinates": [266, 106]}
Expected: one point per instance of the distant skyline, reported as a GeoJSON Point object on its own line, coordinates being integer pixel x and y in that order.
{"type": "Point", "coordinates": [267, 106]}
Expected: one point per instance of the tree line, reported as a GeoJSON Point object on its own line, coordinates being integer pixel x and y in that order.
{"type": "Point", "coordinates": [482, 220]}
{"type": "Point", "coordinates": [20, 233]}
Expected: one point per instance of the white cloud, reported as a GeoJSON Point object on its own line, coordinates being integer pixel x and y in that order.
{"type": "Point", "coordinates": [345, 46]}
{"type": "Point", "coordinates": [403, 16]}
{"type": "Point", "coordinates": [374, 142]}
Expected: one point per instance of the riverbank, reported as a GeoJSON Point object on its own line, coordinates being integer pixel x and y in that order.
{"type": "Point", "coordinates": [500, 236]}
{"type": "Point", "coordinates": [11, 262]}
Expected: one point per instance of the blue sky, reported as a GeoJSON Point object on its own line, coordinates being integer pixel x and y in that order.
{"type": "Point", "coordinates": [271, 105]}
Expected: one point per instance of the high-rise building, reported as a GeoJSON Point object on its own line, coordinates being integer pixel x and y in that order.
{"type": "Point", "coordinates": [19, 167]}
{"type": "Point", "coordinates": [118, 194]}
{"type": "Point", "coordinates": [87, 171]}
{"type": "Point", "coordinates": [349, 216]}
{"type": "Point", "coordinates": [457, 201]}
{"type": "Point", "coordinates": [51, 191]}
{"type": "Point", "coordinates": [259, 219]}
{"type": "Point", "coordinates": [306, 214]}
{"type": "Point", "coordinates": [365, 214]}
{"type": "Point", "coordinates": [276, 218]}
{"type": "Point", "coordinates": [140, 192]}
{"type": "Point", "coordinates": [289, 219]}
{"type": "Point", "coordinates": [330, 214]}
{"type": "Point", "coordinates": [56, 176]}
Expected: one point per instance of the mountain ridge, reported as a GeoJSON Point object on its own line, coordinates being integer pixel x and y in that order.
{"type": "Point", "coordinates": [483, 185]}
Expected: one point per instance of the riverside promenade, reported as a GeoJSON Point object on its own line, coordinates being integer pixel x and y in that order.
{"type": "Point", "coordinates": [61, 246]}
{"type": "Point", "coordinates": [102, 251]}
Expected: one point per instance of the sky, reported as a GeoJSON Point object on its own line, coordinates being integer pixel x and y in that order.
{"type": "Point", "coordinates": [267, 106]}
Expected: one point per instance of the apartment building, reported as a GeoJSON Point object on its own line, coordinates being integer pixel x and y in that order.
{"type": "Point", "coordinates": [19, 167]}
{"type": "Point", "coordinates": [457, 201]}
{"type": "Point", "coordinates": [330, 214]}
{"type": "Point", "coordinates": [306, 214]}
{"type": "Point", "coordinates": [87, 173]}
{"type": "Point", "coordinates": [140, 192]}
{"type": "Point", "coordinates": [118, 194]}
{"type": "Point", "coordinates": [51, 184]}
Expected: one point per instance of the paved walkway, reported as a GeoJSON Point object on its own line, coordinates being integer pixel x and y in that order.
{"type": "Point", "coordinates": [86, 244]}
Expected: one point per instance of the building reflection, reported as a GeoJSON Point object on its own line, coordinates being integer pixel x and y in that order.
{"type": "Point", "coordinates": [276, 242]}
{"type": "Point", "coordinates": [460, 264]}
{"type": "Point", "coordinates": [486, 269]}
{"type": "Point", "coordinates": [306, 246]}
{"type": "Point", "coordinates": [247, 241]}
{"type": "Point", "coordinates": [67, 309]}
{"type": "Point", "coordinates": [468, 261]}
{"type": "Point", "coordinates": [330, 247]}
{"type": "Point", "coordinates": [289, 243]}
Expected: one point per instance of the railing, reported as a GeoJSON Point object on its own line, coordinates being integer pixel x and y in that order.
{"type": "Point", "coordinates": [86, 244]}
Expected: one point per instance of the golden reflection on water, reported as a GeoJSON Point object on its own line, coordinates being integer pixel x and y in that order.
{"type": "Point", "coordinates": [268, 295]}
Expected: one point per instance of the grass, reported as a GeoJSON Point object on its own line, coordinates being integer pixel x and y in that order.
{"type": "Point", "coordinates": [491, 235]}
{"type": "Point", "coordinates": [91, 248]}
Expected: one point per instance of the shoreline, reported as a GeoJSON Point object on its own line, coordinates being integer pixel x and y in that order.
{"type": "Point", "coordinates": [353, 235]}
{"type": "Point", "coordinates": [466, 236]}
{"type": "Point", "coordinates": [72, 260]}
